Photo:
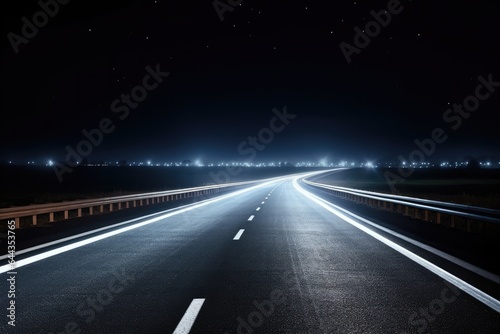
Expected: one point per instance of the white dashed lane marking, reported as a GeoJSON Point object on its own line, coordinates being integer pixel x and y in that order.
{"type": "Point", "coordinates": [238, 235]}
{"type": "Point", "coordinates": [187, 321]}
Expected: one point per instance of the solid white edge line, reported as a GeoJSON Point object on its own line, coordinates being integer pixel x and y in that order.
{"type": "Point", "coordinates": [238, 235]}
{"type": "Point", "coordinates": [187, 321]}
{"type": "Point", "coordinates": [55, 242]}
{"type": "Point", "coordinates": [251, 218]}
{"type": "Point", "coordinates": [53, 252]}
{"type": "Point", "coordinates": [481, 272]}
{"type": "Point", "coordinates": [462, 285]}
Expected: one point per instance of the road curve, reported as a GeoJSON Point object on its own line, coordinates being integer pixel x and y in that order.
{"type": "Point", "coordinates": [268, 259]}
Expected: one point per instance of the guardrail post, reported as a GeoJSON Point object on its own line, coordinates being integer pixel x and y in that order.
{"type": "Point", "coordinates": [91, 210]}
{"type": "Point", "coordinates": [452, 221]}
{"type": "Point", "coordinates": [79, 212]}
{"type": "Point", "coordinates": [406, 211]}
{"type": "Point", "coordinates": [66, 214]}
{"type": "Point", "coordinates": [438, 217]}
{"type": "Point", "coordinates": [34, 220]}
{"type": "Point", "coordinates": [426, 215]}
{"type": "Point", "coordinates": [111, 207]}
{"type": "Point", "coordinates": [17, 222]}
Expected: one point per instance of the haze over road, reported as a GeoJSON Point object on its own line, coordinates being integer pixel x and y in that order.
{"type": "Point", "coordinates": [273, 258]}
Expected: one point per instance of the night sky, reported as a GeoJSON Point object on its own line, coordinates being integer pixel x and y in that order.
{"type": "Point", "coordinates": [225, 78]}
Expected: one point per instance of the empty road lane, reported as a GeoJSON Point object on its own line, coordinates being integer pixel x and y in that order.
{"type": "Point", "coordinates": [267, 259]}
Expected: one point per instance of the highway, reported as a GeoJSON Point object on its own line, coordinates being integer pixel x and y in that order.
{"type": "Point", "coordinates": [271, 258]}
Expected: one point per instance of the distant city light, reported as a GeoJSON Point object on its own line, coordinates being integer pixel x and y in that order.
{"type": "Point", "coordinates": [322, 163]}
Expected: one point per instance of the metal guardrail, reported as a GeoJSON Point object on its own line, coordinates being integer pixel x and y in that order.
{"type": "Point", "coordinates": [420, 208]}
{"type": "Point", "coordinates": [79, 208]}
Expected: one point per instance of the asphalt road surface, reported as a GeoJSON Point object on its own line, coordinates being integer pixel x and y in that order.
{"type": "Point", "coordinates": [268, 259]}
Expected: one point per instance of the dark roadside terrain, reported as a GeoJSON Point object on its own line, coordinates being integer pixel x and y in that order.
{"type": "Point", "coordinates": [25, 185]}
{"type": "Point", "coordinates": [479, 187]}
